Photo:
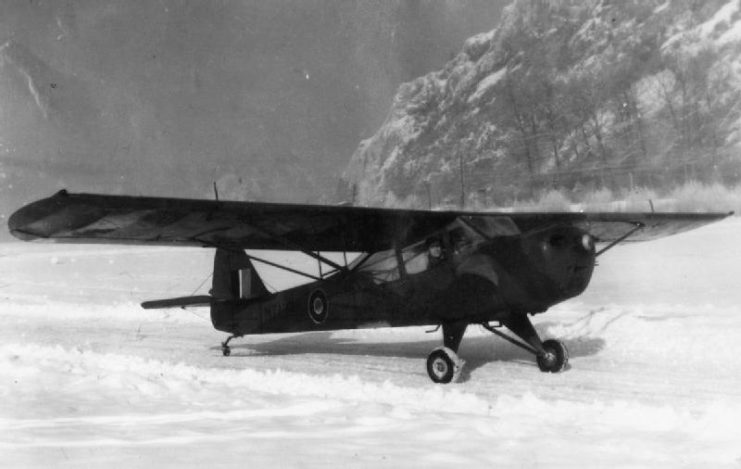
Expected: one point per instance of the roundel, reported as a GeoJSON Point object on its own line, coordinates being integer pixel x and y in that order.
{"type": "Point", "coordinates": [318, 306]}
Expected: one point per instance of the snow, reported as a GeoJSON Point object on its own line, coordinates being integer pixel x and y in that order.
{"type": "Point", "coordinates": [733, 34]}
{"type": "Point", "coordinates": [480, 40]}
{"type": "Point", "coordinates": [724, 16]}
{"type": "Point", "coordinates": [487, 83]}
{"type": "Point", "coordinates": [661, 7]}
{"type": "Point", "coordinates": [724, 21]}
{"type": "Point", "coordinates": [87, 378]}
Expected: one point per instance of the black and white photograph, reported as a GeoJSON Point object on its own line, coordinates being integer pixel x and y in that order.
{"type": "Point", "coordinates": [370, 233]}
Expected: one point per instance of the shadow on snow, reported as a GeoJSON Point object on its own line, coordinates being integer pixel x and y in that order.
{"type": "Point", "coordinates": [476, 351]}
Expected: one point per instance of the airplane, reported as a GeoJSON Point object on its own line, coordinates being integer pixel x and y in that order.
{"type": "Point", "coordinates": [449, 269]}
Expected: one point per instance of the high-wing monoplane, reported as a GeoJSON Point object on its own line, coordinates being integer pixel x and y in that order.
{"type": "Point", "coordinates": [437, 268]}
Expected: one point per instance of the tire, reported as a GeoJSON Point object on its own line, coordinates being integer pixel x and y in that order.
{"type": "Point", "coordinates": [441, 366]}
{"type": "Point", "coordinates": [556, 358]}
{"type": "Point", "coordinates": [318, 307]}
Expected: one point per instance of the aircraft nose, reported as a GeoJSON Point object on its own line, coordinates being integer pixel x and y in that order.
{"type": "Point", "coordinates": [580, 272]}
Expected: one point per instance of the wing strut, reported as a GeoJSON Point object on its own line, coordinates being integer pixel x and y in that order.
{"type": "Point", "coordinates": [509, 339]}
{"type": "Point", "coordinates": [288, 244]}
{"type": "Point", "coordinates": [288, 269]}
{"type": "Point", "coordinates": [636, 227]}
{"type": "Point", "coordinates": [273, 264]}
{"type": "Point", "coordinates": [297, 247]}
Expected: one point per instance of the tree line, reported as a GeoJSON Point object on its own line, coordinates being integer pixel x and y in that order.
{"type": "Point", "coordinates": [640, 111]}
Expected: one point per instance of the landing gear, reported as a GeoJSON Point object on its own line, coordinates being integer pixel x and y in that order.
{"type": "Point", "coordinates": [556, 357]}
{"type": "Point", "coordinates": [225, 350]}
{"type": "Point", "coordinates": [443, 364]}
{"type": "Point", "coordinates": [551, 355]}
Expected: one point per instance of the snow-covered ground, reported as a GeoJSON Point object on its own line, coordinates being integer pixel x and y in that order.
{"type": "Point", "coordinates": [88, 379]}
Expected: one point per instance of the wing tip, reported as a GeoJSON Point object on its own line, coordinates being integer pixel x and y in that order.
{"type": "Point", "coordinates": [17, 225]}
{"type": "Point", "coordinates": [21, 222]}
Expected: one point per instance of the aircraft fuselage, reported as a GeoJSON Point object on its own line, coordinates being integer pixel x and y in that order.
{"type": "Point", "coordinates": [487, 281]}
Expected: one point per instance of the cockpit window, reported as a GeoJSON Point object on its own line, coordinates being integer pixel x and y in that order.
{"type": "Point", "coordinates": [463, 238]}
{"type": "Point", "coordinates": [493, 225]}
{"type": "Point", "coordinates": [424, 255]}
{"type": "Point", "coordinates": [460, 240]}
{"type": "Point", "coordinates": [416, 258]}
{"type": "Point", "coordinates": [421, 256]}
{"type": "Point", "coordinates": [382, 266]}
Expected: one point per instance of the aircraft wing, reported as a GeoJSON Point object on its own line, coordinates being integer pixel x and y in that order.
{"type": "Point", "coordinates": [93, 218]}
{"type": "Point", "coordinates": [611, 227]}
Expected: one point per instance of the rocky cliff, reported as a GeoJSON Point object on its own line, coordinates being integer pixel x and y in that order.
{"type": "Point", "coordinates": [569, 95]}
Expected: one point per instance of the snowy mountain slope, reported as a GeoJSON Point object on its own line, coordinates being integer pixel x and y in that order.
{"type": "Point", "coordinates": [567, 95]}
{"type": "Point", "coordinates": [87, 378]}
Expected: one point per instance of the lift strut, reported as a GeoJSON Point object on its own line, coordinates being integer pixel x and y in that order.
{"type": "Point", "coordinates": [509, 339]}
{"type": "Point", "coordinates": [636, 227]}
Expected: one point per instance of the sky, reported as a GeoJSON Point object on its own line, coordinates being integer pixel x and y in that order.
{"type": "Point", "coordinates": [268, 99]}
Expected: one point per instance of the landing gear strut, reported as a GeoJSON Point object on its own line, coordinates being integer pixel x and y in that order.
{"type": "Point", "coordinates": [551, 355]}
{"type": "Point", "coordinates": [225, 350]}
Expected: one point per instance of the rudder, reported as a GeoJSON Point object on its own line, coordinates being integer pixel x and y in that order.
{"type": "Point", "coordinates": [235, 278]}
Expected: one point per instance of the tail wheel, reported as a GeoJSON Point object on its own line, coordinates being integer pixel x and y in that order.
{"type": "Point", "coordinates": [556, 357]}
{"type": "Point", "coordinates": [443, 365]}
{"type": "Point", "coordinates": [225, 350]}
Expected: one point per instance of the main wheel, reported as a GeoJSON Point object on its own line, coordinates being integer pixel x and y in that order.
{"type": "Point", "coordinates": [556, 357]}
{"type": "Point", "coordinates": [442, 365]}
{"type": "Point", "coordinates": [225, 350]}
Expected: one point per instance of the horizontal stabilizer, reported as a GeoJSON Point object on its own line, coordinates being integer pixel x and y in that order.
{"type": "Point", "coordinates": [203, 300]}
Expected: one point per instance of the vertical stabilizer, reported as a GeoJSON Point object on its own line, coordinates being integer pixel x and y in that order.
{"type": "Point", "coordinates": [235, 277]}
